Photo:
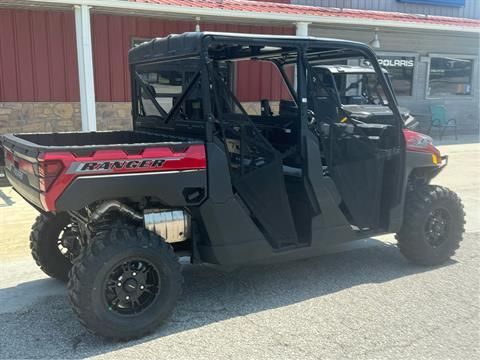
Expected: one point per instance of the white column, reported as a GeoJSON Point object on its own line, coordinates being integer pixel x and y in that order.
{"type": "Point", "coordinates": [301, 28]}
{"type": "Point", "coordinates": [85, 68]}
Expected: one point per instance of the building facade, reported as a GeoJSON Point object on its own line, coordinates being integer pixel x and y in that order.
{"type": "Point", "coordinates": [452, 8]}
{"type": "Point", "coordinates": [39, 85]}
{"type": "Point", "coordinates": [428, 67]}
{"type": "Point", "coordinates": [431, 59]}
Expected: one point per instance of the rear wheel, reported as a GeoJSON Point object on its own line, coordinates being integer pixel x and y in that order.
{"type": "Point", "coordinates": [46, 244]}
{"type": "Point", "coordinates": [126, 284]}
{"type": "Point", "coordinates": [433, 225]}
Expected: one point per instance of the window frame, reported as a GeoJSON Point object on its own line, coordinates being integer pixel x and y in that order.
{"type": "Point", "coordinates": [164, 123]}
{"type": "Point", "coordinates": [165, 95]}
{"type": "Point", "coordinates": [473, 83]}
{"type": "Point", "coordinates": [415, 75]}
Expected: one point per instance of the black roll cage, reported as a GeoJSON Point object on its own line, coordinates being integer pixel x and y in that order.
{"type": "Point", "coordinates": [280, 50]}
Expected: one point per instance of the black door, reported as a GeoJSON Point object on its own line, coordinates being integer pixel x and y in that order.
{"type": "Point", "coordinates": [355, 155]}
{"type": "Point", "coordinates": [256, 169]}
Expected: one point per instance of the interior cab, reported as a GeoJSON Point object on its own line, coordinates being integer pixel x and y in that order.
{"type": "Point", "coordinates": [320, 154]}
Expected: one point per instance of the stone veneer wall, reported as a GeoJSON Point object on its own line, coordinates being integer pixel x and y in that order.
{"type": "Point", "coordinates": [253, 108]}
{"type": "Point", "coordinates": [57, 117]}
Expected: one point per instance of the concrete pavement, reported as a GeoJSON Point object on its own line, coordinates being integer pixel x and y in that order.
{"type": "Point", "coordinates": [368, 303]}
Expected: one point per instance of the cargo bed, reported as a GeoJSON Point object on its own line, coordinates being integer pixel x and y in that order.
{"type": "Point", "coordinates": [88, 141]}
{"type": "Point", "coordinates": [42, 166]}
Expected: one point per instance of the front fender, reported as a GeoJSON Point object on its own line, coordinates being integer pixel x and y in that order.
{"type": "Point", "coordinates": [422, 165]}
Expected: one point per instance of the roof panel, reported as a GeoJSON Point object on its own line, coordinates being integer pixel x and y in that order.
{"type": "Point", "coordinates": [189, 44]}
{"type": "Point", "coordinates": [280, 8]}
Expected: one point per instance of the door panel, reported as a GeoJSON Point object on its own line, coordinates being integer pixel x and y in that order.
{"type": "Point", "coordinates": [354, 157]}
{"type": "Point", "coordinates": [356, 167]}
{"type": "Point", "coordinates": [257, 176]}
{"type": "Point", "coordinates": [255, 168]}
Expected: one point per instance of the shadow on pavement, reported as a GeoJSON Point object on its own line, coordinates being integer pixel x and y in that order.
{"type": "Point", "coordinates": [23, 295]}
{"type": "Point", "coordinates": [47, 327]}
{"type": "Point", "coordinates": [5, 200]}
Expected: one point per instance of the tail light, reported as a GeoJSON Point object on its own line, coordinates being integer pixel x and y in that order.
{"type": "Point", "coordinates": [8, 156]}
{"type": "Point", "coordinates": [25, 166]}
{"type": "Point", "coordinates": [11, 161]}
{"type": "Point", "coordinates": [47, 172]}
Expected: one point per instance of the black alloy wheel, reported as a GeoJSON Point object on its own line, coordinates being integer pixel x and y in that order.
{"type": "Point", "coordinates": [50, 243]}
{"type": "Point", "coordinates": [433, 225]}
{"type": "Point", "coordinates": [125, 284]}
{"type": "Point", "coordinates": [132, 286]}
{"type": "Point", "coordinates": [437, 227]}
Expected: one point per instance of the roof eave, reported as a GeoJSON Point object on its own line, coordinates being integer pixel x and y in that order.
{"type": "Point", "coordinates": [217, 14]}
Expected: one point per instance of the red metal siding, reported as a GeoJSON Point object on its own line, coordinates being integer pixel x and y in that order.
{"type": "Point", "coordinates": [257, 80]}
{"type": "Point", "coordinates": [23, 52]}
{"type": "Point", "coordinates": [40, 57]}
{"type": "Point", "coordinates": [37, 56]}
{"type": "Point", "coordinates": [70, 56]}
{"type": "Point", "coordinates": [112, 82]}
{"type": "Point", "coordinates": [38, 60]}
{"type": "Point", "coordinates": [8, 75]}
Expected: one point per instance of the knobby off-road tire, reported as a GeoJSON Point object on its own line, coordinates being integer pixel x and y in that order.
{"type": "Point", "coordinates": [433, 225]}
{"type": "Point", "coordinates": [118, 263]}
{"type": "Point", "coordinates": [44, 245]}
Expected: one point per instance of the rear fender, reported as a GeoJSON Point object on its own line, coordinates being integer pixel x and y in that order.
{"type": "Point", "coordinates": [171, 188]}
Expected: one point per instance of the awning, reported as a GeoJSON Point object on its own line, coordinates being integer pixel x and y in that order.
{"type": "Point", "coordinates": [259, 11]}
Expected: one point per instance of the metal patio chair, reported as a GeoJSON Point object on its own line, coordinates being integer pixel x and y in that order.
{"type": "Point", "coordinates": [439, 120]}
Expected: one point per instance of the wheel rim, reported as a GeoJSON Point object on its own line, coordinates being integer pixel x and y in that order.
{"type": "Point", "coordinates": [61, 241]}
{"type": "Point", "coordinates": [437, 226]}
{"type": "Point", "coordinates": [131, 287]}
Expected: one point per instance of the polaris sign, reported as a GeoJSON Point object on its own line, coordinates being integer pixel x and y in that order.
{"type": "Point", "coordinates": [394, 62]}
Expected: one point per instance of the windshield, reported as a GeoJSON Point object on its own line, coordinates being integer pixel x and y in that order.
{"type": "Point", "coordinates": [360, 88]}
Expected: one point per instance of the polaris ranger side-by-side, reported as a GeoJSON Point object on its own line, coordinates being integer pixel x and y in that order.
{"type": "Point", "coordinates": [205, 176]}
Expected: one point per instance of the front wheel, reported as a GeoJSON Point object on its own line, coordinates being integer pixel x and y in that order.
{"type": "Point", "coordinates": [433, 225]}
{"type": "Point", "coordinates": [125, 284]}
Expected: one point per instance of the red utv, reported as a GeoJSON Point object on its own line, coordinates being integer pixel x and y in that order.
{"type": "Point", "coordinates": [225, 182]}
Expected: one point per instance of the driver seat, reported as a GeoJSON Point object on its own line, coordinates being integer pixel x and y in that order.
{"type": "Point", "coordinates": [325, 107]}
{"type": "Point", "coordinates": [328, 111]}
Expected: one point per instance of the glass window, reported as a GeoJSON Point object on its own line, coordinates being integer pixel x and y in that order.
{"type": "Point", "coordinates": [450, 76]}
{"type": "Point", "coordinates": [358, 88]}
{"type": "Point", "coordinates": [164, 87]}
{"type": "Point", "coordinates": [400, 70]}
{"type": "Point", "coordinates": [168, 98]}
